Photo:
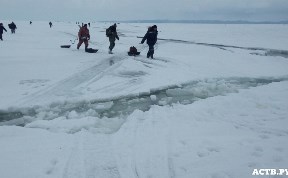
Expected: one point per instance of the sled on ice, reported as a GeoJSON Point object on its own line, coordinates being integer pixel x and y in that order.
{"type": "Point", "coordinates": [65, 46]}
{"type": "Point", "coordinates": [91, 50]}
{"type": "Point", "coordinates": [133, 53]}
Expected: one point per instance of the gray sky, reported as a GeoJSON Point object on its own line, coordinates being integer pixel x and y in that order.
{"type": "Point", "coordinates": [97, 10]}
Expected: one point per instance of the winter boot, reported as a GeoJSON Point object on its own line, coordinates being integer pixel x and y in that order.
{"type": "Point", "coordinates": [148, 54]}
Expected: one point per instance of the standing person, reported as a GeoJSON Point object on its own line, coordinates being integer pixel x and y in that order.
{"type": "Point", "coordinates": [151, 37]}
{"type": "Point", "coordinates": [2, 28]}
{"type": "Point", "coordinates": [50, 24]}
{"type": "Point", "coordinates": [30, 22]}
{"type": "Point", "coordinates": [112, 34]}
{"type": "Point", "coordinates": [83, 36]}
{"type": "Point", "coordinates": [12, 26]}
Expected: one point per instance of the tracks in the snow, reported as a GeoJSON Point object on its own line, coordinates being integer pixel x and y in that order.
{"type": "Point", "coordinates": [69, 86]}
{"type": "Point", "coordinates": [91, 157]}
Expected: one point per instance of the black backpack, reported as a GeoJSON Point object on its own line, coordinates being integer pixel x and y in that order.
{"type": "Point", "coordinates": [108, 32]}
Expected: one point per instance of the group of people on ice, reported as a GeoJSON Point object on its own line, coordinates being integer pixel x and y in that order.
{"type": "Point", "coordinates": [111, 33]}
{"type": "Point", "coordinates": [12, 27]}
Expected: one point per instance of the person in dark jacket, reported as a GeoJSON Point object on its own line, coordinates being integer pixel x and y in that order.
{"type": "Point", "coordinates": [112, 34]}
{"type": "Point", "coordinates": [2, 28]}
{"type": "Point", "coordinates": [12, 26]}
{"type": "Point", "coordinates": [50, 24]}
{"type": "Point", "coordinates": [83, 36]}
{"type": "Point", "coordinates": [151, 37]}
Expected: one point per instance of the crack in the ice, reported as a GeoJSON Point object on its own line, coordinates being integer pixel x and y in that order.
{"type": "Point", "coordinates": [123, 106]}
{"type": "Point", "coordinates": [268, 52]}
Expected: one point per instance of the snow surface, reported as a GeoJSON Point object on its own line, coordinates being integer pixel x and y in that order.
{"type": "Point", "coordinates": [212, 104]}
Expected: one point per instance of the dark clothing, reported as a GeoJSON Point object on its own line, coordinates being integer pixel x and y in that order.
{"type": "Point", "coordinates": [112, 28]}
{"type": "Point", "coordinates": [150, 52]}
{"type": "Point", "coordinates": [12, 26]}
{"type": "Point", "coordinates": [112, 44]}
{"type": "Point", "coordinates": [2, 29]}
{"type": "Point", "coordinates": [1, 32]}
{"type": "Point", "coordinates": [112, 36]}
{"type": "Point", "coordinates": [50, 24]}
{"type": "Point", "coordinates": [151, 37]}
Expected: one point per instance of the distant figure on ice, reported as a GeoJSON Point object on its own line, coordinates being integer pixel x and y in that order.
{"type": "Point", "coordinates": [89, 24]}
{"type": "Point", "coordinates": [12, 26]}
{"type": "Point", "coordinates": [83, 36]}
{"type": "Point", "coordinates": [151, 37]}
{"type": "Point", "coordinates": [30, 22]}
{"type": "Point", "coordinates": [50, 24]}
{"type": "Point", "coordinates": [112, 34]}
{"type": "Point", "coordinates": [2, 28]}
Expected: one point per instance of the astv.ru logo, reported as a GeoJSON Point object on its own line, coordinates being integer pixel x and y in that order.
{"type": "Point", "coordinates": [270, 172]}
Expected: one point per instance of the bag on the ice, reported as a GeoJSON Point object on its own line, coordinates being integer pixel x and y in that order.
{"type": "Point", "coordinates": [133, 51]}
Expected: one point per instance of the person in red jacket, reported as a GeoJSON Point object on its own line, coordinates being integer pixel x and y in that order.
{"type": "Point", "coordinates": [83, 36]}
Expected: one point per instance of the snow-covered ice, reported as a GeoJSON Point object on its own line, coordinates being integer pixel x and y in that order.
{"type": "Point", "coordinates": [212, 104]}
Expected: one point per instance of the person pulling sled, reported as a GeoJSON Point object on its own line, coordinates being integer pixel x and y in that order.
{"type": "Point", "coordinates": [151, 37]}
{"type": "Point", "coordinates": [84, 36]}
